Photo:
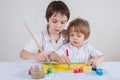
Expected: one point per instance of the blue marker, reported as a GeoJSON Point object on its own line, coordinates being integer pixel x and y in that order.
{"type": "Point", "coordinates": [99, 72]}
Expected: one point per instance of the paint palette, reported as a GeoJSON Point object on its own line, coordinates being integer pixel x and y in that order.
{"type": "Point", "coordinates": [64, 67]}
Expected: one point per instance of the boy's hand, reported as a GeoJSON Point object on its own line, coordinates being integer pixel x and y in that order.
{"type": "Point", "coordinates": [40, 57]}
{"type": "Point", "coordinates": [93, 62]}
{"type": "Point", "coordinates": [64, 59]}
{"type": "Point", "coordinates": [96, 61]}
{"type": "Point", "coordinates": [55, 57]}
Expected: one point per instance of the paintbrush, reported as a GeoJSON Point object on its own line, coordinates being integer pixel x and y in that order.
{"type": "Point", "coordinates": [38, 45]}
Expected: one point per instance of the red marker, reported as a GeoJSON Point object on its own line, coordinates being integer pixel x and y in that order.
{"type": "Point", "coordinates": [67, 54]}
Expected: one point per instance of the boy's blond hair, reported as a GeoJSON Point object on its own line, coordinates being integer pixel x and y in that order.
{"type": "Point", "coordinates": [81, 26]}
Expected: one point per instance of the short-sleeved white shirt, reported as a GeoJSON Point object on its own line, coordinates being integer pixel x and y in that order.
{"type": "Point", "coordinates": [76, 55]}
{"type": "Point", "coordinates": [47, 44]}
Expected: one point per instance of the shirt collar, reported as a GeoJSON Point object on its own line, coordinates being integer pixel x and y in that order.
{"type": "Point", "coordinates": [47, 37]}
{"type": "Point", "coordinates": [45, 33]}
{"type": "Point", "coordinates": [61, 38]}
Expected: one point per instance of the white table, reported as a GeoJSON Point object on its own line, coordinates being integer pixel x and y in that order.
{"type": "Point", "coordinates": [19, 71]}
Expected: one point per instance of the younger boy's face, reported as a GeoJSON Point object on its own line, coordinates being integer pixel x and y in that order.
{"type": "Point", "coordinates": [76, 39]}
{"type": "Point", "coordinates": [57, 23]}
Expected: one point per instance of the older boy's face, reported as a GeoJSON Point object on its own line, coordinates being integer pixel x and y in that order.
{"type": "Point", "coordinates": [76, 39]}
{"type": "Point", "coordinates": [57, 23]}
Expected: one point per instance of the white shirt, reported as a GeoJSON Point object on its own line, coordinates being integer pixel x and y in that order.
{"type": "Point", "coordinates": [47, 44]}
{"type": "Point", "coordinates": [82, 54]}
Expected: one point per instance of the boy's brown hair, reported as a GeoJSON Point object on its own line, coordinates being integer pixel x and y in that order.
{"type": "Point", "coordinates": [81, 26]}
{"type": "Point", "coordinates": [57, 7]}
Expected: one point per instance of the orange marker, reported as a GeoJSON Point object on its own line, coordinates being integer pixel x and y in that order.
{"type": "Point", "coordinates": [81, 69]}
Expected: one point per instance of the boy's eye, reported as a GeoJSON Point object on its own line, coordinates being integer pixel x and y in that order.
{"type": "Point", "coordinates": [78, 35]}
{"type": "Point", "coordinates": [54, 21]}
{"type": "Point", "coordinates": [71, 35]}
{"type": "Point", "coordinates": [63, 22]}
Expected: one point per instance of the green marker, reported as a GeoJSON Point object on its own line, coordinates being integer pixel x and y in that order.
{"type": "Point", "coordinates": [49, 70]}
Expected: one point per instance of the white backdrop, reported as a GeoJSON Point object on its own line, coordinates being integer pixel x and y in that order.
{"type": "Point", "coordinates": [103, 16]}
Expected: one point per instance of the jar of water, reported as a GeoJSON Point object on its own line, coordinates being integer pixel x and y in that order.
{"type": "Point", "coordinates": [37, 72]}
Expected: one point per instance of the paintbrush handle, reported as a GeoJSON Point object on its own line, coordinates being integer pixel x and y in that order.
{"type": "Point", "coordinates": [38, 45]}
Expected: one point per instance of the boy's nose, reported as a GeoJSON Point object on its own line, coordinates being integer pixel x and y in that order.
{"type": "Point", "coordinates": [58, 24]}
{"type": "Point", "coordinates": [75, 37]}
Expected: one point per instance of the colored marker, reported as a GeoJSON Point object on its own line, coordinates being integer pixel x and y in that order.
{"type": "Point", "coordinates": [67, 54]}
{"type": "Point", "coordinates": [99, 72]}
{"type": "Point", "coordinates": [94, 68]}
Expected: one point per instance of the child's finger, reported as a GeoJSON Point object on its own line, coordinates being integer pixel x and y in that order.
{"type": "Point", "coordinates": [94, 64]}
{"type": "Point", "coordinates": [42, 57]}
{"type": "Point", "coordinates": [90, 62]}
{"type": "Point", "coordinates": [46, 58]}
{"type": "Point", "coordinates": [67, 61]}
{"type": "Point", "coordinates": [63, 60]}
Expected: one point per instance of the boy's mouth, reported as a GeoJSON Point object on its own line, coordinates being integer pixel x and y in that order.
{"type": "Point", "coordinates": [75, 42]}
{"type": "Point", "coordinates": [57, 30]}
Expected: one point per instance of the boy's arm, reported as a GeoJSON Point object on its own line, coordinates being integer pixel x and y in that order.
{"type": "Point", "coordinates": [32, 56]}
{"type": "Point", "coordinates": [96, 61]}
